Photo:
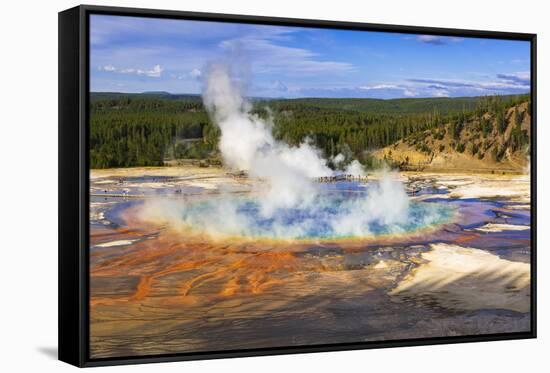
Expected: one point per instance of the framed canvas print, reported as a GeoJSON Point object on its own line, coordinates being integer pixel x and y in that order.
{"type": "Point", "coordinates": [238, 186]}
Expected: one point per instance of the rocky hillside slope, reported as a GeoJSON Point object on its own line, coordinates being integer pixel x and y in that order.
{"type": "Point", "coordinates": [490, 142]}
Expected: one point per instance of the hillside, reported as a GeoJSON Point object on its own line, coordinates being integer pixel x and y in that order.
{"type": "Point", "coordinates": [491, 141]}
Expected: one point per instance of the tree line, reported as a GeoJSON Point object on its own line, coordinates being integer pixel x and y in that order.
{"type": "Point", "coordinates": [146, 130]}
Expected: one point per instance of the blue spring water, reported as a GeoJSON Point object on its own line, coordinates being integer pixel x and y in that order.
{"type": "Point", "coordinates": [321, 219]}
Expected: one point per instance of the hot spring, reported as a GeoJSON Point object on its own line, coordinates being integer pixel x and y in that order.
{"type": "Point", "coordinates": [329, 215]}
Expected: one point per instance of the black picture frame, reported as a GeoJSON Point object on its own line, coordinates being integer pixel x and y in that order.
{"type": "Point", "coordinates": [74, 183]}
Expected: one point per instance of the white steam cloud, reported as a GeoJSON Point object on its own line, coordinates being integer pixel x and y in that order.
{"type": "Point", "coordinates": [288, 172]}
{"type": "Point", "coordinates": [386, 203]}
{"type": "Point", "coordinates": [355, 168]}
{"type": "Point", "coordinates": [247, 143]}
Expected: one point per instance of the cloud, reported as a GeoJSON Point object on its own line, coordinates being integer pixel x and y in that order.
{"type": "Point", "coordinates": [155, 72]}
{"type": "Point", "coordinates": [406, 91]}
{"type": "Point", "coordinates": [509, 83]}
{"type": "Point", "coordinates": [109, 68]}
{"type": "Point", "coordinates": [436, 40]}
{"type": "Point", "coordinates": [195, 73]}
{"type": "Point", "coordinates": [438, 83]}
{"type": "Point", "coordinates": [436, 86]}
{"type": "Point", "coordinates": [380, 86]}
{"type": "Point", "coordinates": [266, 56]}
{"type": "Point", "coordinates": [501, 83]}
{"type": "Point", "coordinates": [285, 61]}
{"type": "Point", "coordinates": [441, 93]}
{"type": "Point", "coordinates": [522, 77]}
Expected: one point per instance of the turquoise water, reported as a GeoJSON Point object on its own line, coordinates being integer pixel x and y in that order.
{"type": "Point", "coordinates": [331, 215]}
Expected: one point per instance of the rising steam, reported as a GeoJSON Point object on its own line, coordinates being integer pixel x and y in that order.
{"type": "Point", "coordinates": [287, 174]}
{"type": "Point", "coordinates": [247, 143]}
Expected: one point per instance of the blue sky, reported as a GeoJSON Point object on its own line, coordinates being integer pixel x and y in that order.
{"type": "Point", "coordinates": [131, 54]}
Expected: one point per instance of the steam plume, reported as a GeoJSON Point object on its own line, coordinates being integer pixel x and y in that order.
{"type": "Point", "coordinates": [247, 143]}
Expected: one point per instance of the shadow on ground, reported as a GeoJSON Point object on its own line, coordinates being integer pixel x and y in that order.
{"type": "Point", "coordinates": [50, 352]}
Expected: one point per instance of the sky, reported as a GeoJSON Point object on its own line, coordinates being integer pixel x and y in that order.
{"type": "Point", "coordinates": [135, 54]}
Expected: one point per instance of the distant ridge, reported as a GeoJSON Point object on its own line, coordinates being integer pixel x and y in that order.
{"type": "Point", "coordinates": [103, 94]}
{"type": "Point", "coordinates": [96, 96]}
{"type": "Point", "coordinates": [443, 105]}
